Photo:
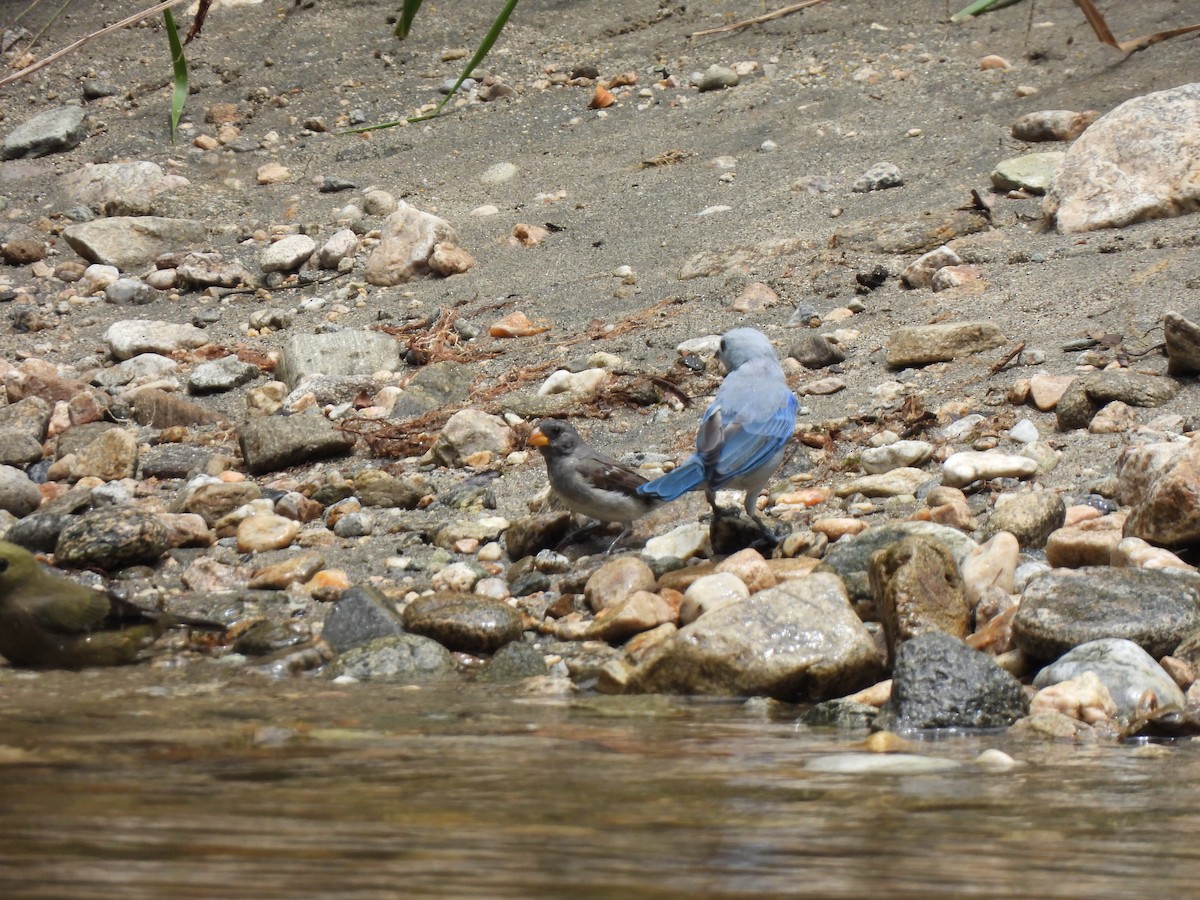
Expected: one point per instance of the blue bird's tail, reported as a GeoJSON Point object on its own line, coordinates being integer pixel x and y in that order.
{"type": "Point", "coordinates": [676, 483]}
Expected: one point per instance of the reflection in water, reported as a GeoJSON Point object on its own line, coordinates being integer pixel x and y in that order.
{"type": "Point", "coordinates": [260, 789]}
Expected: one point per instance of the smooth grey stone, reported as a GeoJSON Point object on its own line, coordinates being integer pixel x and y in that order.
{"type": "Point", "coordinates": [1123, 667]}
{"type": "Point", "coordinates": [54, 131]}
{"type": "Point", "coordinates": [132, 242]}
{"type": "Point", "coordinates": [18, 494]}
{"type": "Point", "coordinates": [360, 615]}
{"type": "Point", "coordinates": [271, 443]}
{"type": "Point", "coordinates": [222, 374]}
{"type": "Point", "coordinates": [347, 352]}
{"type": "Point", "coordinates": [401, 657]}
{"type": "Point", "coordinates": [1154, 608]}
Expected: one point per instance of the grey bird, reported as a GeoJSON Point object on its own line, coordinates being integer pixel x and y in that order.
{"type": "Point", "coordinates": [589, 482]}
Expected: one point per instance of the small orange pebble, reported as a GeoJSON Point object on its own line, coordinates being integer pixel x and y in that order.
{"type": "Point", "coordinates": [518, 325]}
{"type": "Point", "coordinates": [329, 579]}
{"type": "Point", "coordinates": [993, 61]}
{"type": "Point", "coordinates": [529, 235]}
{"type": "Point", "coordinates": [229, 476]}
{"type": "Point", "coordinates": [1080, 513]}
{"type": "Point", "coordinates": [806, 497]}
{"type": "Point", "coordinates": [602, 98]}
{"type": "Point", "coordinates": [834, 528]}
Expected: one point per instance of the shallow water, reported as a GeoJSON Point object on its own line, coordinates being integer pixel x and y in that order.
{"type": "Point", "coordinates": [118, 786]}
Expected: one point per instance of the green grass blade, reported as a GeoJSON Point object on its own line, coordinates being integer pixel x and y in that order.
{"type": "Point", "coordinates": [482, 51]}
{"type": "Point", "coordinates": [407, 13]}
{"type": "Point", "coordinates": [179, 64]}
{"type": "Point", "coordinates": [979, 7]}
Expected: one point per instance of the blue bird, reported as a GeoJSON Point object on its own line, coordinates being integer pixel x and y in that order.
{"type": "Point", "coordinates": [744, 431]}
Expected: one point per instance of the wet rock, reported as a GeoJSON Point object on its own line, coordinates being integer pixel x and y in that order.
{"type": "Point", "coordinates": [816, 351]}
{"type": "Point", "coordinates": [898, 455]}
{"type": "Point", "coordinates": [850, 558]}
{"type": "Point", "coordinates": [287, 254]}
{"type": "Point", "coordinates": [132, 242]}
{"type": "Point", "coordinates": [969, 466]}
{"type": "Point", "coordinates": [1065, 608]}
{"type": "Point", "coordinates": [129, 337]}
{"type": "Point", "coordinates": [1087, 394]}
{"type": "Point", "coordinates": [18, 495]}
{"type": "Point", "coordinates": [111, 538]}
{"type": "Point", "coordinates": [841, 714]}
{"type": "Point", "coordinates": [923, 344]}
{"type": "Point", "coordinates": [1134, 680]}
{"type": "Point", "coordinates": [529, 534]}
{"type": "Point", "coordinates": [512, 662]}
{"type": "Point", "coordinates": [272, 443]}
{"type": "Point", "coordinates": [120, 188]}
{"type": "Point", "coordinates": [1031, 173]}
{"type": "Point", "coordinates": [401, 658]}
{"type": "Point", "coordinates": [360, 615]}
{"type": "Point", "coordinates": [409, 240]}
{"type": "Point", "coordinates": [1182, 337]}
{"type": "Point", "coordinates": [1030, 516]}
{"type": "Point", "coordinates": [917, 587]}
{"type": "Point", "coordinates": [1134, 163]}
{"type": "Point", "coordinates": [464, 622]}
{"type": "Point", "coordinates": [161, 409]}
{"type": "Point", "coordinates": [221, 375]}
{"type": "Point", "coordinates": [940, 682]}
{"type": "Point", "coordinates": [471, 433]}
{"type": "Point", "coordinates": [1052, 125]}
{"type": "Point", "coordinates": [799, 640]}
{"type": "Point", "coordinates": [879, 177]}
{"type": "Point", "coordinates": [617, 579]}
{"type": "Point", "coordinates": [53, 131]}
{"type": "Point", "coordinates": [347, 352]}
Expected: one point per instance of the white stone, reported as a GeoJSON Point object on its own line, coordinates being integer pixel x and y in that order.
{"type": "Point", "coordinates": [710, 592]}
{"type": "Point", "coordinates": [683, 542]}
{"type": "Point", "coordinates": [583, 384]}
{"type": "Point", "coordinates": [968, 466]}
{"type": "Point", "coordinates": [896, 455]}
{"type": "Point", "coordinates": [287, 254]}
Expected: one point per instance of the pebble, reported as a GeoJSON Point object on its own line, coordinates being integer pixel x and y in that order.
{"type": "Point", "coordinates": [968, 466]}
{"type": "Point", "coordinates": [711, 592]}
{"type": "Point", "coordinates": [901, 454]}
{"type": "Point", "coordinates": [879, 177]}
{"type": "Point", "coordinates": [716, 77]}
{"type": "Point", "coordinates": [56, 130]}
{"type": "Point", "coordinates": [263, 532]}
{"type": "Point", "coordinates": [287, 254]}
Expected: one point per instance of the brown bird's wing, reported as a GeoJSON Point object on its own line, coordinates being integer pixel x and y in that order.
{"type": "Point", "coordinates": [611, 476]}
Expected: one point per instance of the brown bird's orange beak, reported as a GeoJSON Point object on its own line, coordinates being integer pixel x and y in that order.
{"type": "Point", "coordinates": [538, 439]}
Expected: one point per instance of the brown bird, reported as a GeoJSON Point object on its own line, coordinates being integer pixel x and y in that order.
{"type": "Point", "coordinates": [589, 482]}
{"type": "Point", "coordinates": [51, 622]}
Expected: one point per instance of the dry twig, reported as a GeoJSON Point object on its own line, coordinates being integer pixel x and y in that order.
{"type": "Point", "coordinates": [758, 20]}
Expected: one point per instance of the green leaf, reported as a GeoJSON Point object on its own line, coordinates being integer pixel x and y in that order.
{"type": "Point", "coordinates": [407, 14]}
{"type": "Point", "coordinates": [179, 64]}
{"type": "Point", "coordinates": [979, 7]}
{"type": "Point", "coordinates": [481, 51]}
